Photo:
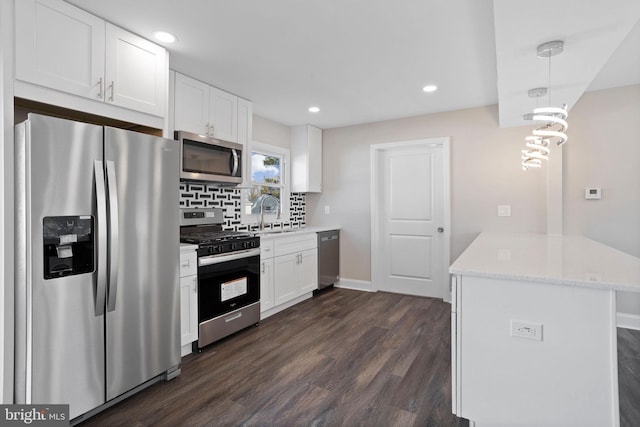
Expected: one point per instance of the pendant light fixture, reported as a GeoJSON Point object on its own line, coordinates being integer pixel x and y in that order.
{"type": "Point", "coordinates": [552, 119]}
{"type": "Point", "coordinates": [537, 148]}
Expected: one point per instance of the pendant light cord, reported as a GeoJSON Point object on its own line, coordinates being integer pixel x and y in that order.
{"type": "Point", "coordinates": [549, 83]}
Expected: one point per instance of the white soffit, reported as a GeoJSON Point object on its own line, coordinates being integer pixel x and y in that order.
{"type": "Point", "coordinates": [591, 31]}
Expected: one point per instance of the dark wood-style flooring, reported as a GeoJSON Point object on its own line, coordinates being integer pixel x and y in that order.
{"type": "Point", "coordinates": [343, 358]}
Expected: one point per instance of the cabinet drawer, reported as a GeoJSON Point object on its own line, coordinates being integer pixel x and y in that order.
{"type": "Point", "coordinates": [188, 263]}
{"type": "Point", "coordinates": [266, 248]}
{"type": "Point", "coordinates": [293, 244]}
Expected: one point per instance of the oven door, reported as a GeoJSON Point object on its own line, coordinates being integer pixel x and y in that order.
{"type": "Point", "coordinates": [227, 282]}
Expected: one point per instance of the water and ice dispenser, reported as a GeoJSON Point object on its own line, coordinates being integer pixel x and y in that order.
{"type": "Point", "coordinates": [68, 245]}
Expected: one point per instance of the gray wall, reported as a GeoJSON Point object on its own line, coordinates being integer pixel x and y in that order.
{"type": "Point", "coordinates": [485, 172]}
{"type": "Point", "coordinates": [6, 202]}
{"type": "Point", "coordinates": [270, 132]}
{"type": "Point", "coordinates": [603, 150]}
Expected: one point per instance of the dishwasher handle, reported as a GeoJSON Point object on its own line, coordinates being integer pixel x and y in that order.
{"type": "Point", "coordinates": [327, 238]}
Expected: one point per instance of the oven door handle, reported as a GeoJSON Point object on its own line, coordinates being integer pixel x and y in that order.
{"type": "Point", "coordinates": [217, 259]}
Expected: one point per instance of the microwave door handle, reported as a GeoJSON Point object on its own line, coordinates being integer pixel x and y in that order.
{"type": "Point", "coordinates": [101, 224]}
{"type": "Point", "coordinates": [234, 172]}
{"type": "Point", "coordinates": [112, 188]}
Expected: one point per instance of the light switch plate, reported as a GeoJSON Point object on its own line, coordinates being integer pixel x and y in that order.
{"type": "Point", "coordinates": [504, 210]}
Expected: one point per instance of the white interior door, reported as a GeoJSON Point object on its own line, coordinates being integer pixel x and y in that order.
{"type": "Point", "coordinates": [411, 194]}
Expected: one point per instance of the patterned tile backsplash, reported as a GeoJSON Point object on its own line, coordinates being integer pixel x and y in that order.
{"type": "Point", "coordinates": [195, 195]}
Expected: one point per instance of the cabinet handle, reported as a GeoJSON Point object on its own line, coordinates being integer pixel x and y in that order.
{"type": "Point", "coordinates": [211, 131]}
{"type": "Point", "coordinates": [111, 86]}
{"type": "Point", "coordinates": [100, 94]}
{"type": "Point", "coordinates": [262, 270]}
{"type": "Point", "coordinates": [186, 264]}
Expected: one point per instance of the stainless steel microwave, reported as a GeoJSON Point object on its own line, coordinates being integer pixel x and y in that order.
{"type": "Point", "coordinates": [207, 159]}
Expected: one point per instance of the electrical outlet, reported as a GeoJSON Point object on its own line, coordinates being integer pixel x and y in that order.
{"type": "Point", "coordinates": [527, 330]}
{"type": "Point", "coordinates": [327, 210]}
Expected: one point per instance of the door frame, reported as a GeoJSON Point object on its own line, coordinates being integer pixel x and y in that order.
{"type": "Point", "coordinates": [375, 151]}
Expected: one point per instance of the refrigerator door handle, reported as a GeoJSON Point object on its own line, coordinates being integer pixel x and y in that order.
{"type": "Point", "coordinates": [101, 222]}
{"type": "Point", "coordinates": [112, 188]}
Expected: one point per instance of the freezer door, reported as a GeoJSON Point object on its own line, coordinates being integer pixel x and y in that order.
{"type": "Point", "coordinates": [143, 317]}
{"type": "Point", "coordinates": [59, 335]}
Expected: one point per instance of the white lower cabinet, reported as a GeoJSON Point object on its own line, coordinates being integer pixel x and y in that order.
{"type": "Point", "coordinates": [307, 270]}
{"type": "Point", "coordinates": [285, 272]}
{"type": "Point", "coordinates": [289, 271]}
{"type": "Point", "coordinates": [266, 275]}
{"type": "Point", "coordinates": [188, 298]}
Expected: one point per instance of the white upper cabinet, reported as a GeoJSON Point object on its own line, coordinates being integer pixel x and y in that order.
{"type": "Point", "coordinates": [191, 105]}
{"type": "Point", "coordinates": [224, 114]}
{"type": "Point", "coordinates": [61, 47]}
{"type": "Point", "coordinates": [306, 159]}
{"type": "Point", "coordinates": [204, 109]}
{"type": "Point", "coordinates": [135, 72]}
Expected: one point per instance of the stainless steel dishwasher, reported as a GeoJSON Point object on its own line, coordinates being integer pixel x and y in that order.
{"type": "Point", "coordinates": [328, 258]}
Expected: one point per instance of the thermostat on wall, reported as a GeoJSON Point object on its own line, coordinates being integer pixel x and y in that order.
{"type": "Point", "coordinates": [593, 193]}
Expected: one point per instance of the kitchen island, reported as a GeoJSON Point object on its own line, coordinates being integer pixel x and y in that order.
{"type": "Point", "coordinates": [534, 330]}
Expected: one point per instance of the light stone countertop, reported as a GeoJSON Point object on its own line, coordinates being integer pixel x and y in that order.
{"type": "Point", "coordinates": [185, 247]}
{"type": "Point", "coordinates": [274, 235]}
{"type": "Point", "coordinates": [552, 259]}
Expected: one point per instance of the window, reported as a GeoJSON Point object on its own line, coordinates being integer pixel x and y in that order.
{"type": "Point", "coordinates": [269, 190]}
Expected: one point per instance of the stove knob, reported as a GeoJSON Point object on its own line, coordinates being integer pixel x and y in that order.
{"type": "Point", "coordinates": [219, 249]}
{"type": "Point", "coordinates": [210, 250]}
{"type": "Point", "coordinates": [246, 245]}
{"type": "Point", "coordinates": [233, 246]}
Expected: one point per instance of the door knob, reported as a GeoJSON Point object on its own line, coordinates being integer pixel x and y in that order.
{"type": "Point", "coordinates": [440, 229]}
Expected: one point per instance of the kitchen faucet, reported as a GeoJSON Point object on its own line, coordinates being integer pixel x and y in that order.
{"type": "Point", "coordinates": [268, 196]}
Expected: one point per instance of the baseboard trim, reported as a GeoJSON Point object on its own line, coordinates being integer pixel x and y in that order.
{"type": "Point", "coordinates": [278, 308]}
{"type": "Point", "coordinates": [356, 285]}
{"type": "Point", "coordinates": [628, 321]}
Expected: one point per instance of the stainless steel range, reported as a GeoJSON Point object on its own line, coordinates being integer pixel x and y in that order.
{"type": "Point", "coordinates": [228, 274]}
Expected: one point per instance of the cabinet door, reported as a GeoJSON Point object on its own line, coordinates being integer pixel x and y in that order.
{"type": "Point", "coordinates": [266, 284]}
{"type": "Point", "coordinates": [188, 309]}
{"type": "Point", "coordinates": [191, 105]}
{"type": "Point", "coordinates": [306, 159]}
{"type": "Point", "coordinates": [136, 72]}
{"type": "Point", "coordinates": [60, 47]}
{"type": "Point", "coordinates": [307, 274]}
{"type": "Point", "coordinates": [284, 280]}
{"type": "Point", "coordinates": [223, 109]}
{"type": "Point", "coordinates": [315, 160]}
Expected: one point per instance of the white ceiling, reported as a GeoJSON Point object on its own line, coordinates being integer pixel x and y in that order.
{"type": "Point", "coordinates": [367, 60]}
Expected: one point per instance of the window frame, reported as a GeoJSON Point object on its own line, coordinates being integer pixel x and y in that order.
{"type": "Point", "coordinates": [285, 188]}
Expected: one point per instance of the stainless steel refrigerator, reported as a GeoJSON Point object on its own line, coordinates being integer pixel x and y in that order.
{"type": "Point", "coordinates": [97, 248]}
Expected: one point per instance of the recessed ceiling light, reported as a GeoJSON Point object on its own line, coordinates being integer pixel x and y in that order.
{"type": "Point", "coordinates": [164, 36]}
{"type": "Point", "coordinates": [430, 88]}
{"type": "Point", "coordinates": [314, 109]}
